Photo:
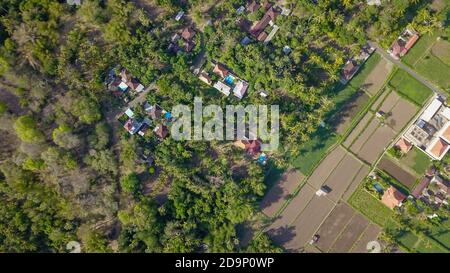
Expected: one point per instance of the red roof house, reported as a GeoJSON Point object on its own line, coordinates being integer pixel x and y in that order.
{"type": "Point", "coordinates": [404, 145]}
{"type": "Point", "coordinates": [392, 197]}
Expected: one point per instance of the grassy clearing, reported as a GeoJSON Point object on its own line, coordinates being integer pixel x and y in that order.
{"type": "Point", "coordinates": [441, 233]}
{"type": "Point", "coordinates": [312, 151]}
{"type": "Point", "coordinates": [427, 245]}
{"type": "Point", "coordinates": [430, 57]}
{"type": "Point", "coordinates": [434, 69]}
{"type": "Point", "coordinates": [409, 87]}
{"type": "Point", "coordinates": [416, 160]}
{"type": "Point", "coordinates": [414, 242]}
{"type": "Point", "coordinates": [370, 207]}
{"type": "Point", "coordinates": [407, 239]}
{"type": "Point", "coordinates": [417, 51]}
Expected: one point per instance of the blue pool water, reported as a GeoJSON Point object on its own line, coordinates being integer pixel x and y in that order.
{"type": "Point", "coordinates": [378, 187]}
{"type": "Point", "coordinates": [229, 79]}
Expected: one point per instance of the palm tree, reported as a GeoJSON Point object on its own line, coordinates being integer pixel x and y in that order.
{"type": "Point", "coordinates": [26, 38]}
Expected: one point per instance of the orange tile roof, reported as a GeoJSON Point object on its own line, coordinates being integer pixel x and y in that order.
{"type": "Point", "coordinates": [439, 148]}
{"type": "Point", "coordinates": [392, 197]}
{"type": "Point", "coordinates": [403, 145]}
{"type": "Point", "coordinates": [411, 41]}
{"type": "Point", "coordinates": [446, 133]}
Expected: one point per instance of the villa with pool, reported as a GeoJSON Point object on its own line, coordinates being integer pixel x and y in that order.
{"type": "Point", "coordinates": [228, 82]}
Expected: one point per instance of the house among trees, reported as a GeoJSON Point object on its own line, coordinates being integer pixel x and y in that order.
{"type": "Point", "coordinates": [240, 88]}
{"type": "Point", "coordinates": [204, 77]}
{"type": "Point", "coordinates": [121, 84]}
{"type": "Point", "coordinates": [352, 66]}
{"type": "Point", "coordinates": [179, 15]}
{"type": "Point", "coordinates": [182, 42]}
{"type": "Point", "coordinates": [432, 190]}
{"type": "Point", "coordinates": [133, 126]}
{"type": "Point", "coordinates": [161, 131]}
{"type": "Point", "coordinates": [220, 70]}
{"type": "Point", "coordinates": [253, 6]}
{"type": "Point", "coordinates": [258, 29]}
{"type": "Point", "coordinates": [403, 44]}
{"type": "Point", "coordinates": [251, 147]}
{"type": "Point", "coordinates": [431, 131]}
{"type": "Point", "coordinates": [155, 112]}
{"type": "Point", "coordinates": [130, 81]}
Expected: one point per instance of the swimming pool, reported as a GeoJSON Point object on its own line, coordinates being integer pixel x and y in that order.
{"type": "Point", "coordinates": [378, 187]}
{"type": "Point", "coordinates": [229, 80]}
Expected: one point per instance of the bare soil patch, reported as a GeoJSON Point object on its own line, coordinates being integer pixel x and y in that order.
{"type": "Point", "coordinates": [373, 148]}
{"type": "Point", "coordinates": [441, 49]}
{"type": "Point", "coordinates": [346, 114]}
{"type": "Point", "coordinates": [309, 221]}
{"type": "Point", "coordinates": [333, 225]}
{"type": "Point", "coordinates": [401, 114]}
{"type": "Point", "coordinates": [297, 204]}
{"type": "Point", "coordinates": [397, 172]}
{"type": "Point", "coordinates": [321, 173]}
{"type": "Point", "coordinates": [379, 100]}
{"type": "Point", "coordinates": [358, 129]}
{"type": "Point", "coordinates": [342, 176]}
{"type": "Point", "coordinates": [362, 173]}
{"type": "Point", "coordinates": [389, 102]}
{"type": "Point", "coordinates": [350, 234]}
{"type": "Point", "coordinates": [370, 234]}
{"type": "Point", "coordinates": [365, 135]}
{"type": "Point", "coordinates": [280, 192]}
{"type": "Point", "coordinates": [437, 5]}
{"type": "Point", "coordinates": [377, 76]}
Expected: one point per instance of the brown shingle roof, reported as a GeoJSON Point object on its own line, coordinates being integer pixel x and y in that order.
{"type": "Point", "coordinates": [349, 68]}
{"type": "Point", "coordinates": [253, 6]}
{"type": "Point", "coordinates": [446, 133]}
{"type": "Point", "coordinates": [187, 34]}
{"type": "Point", "coordinates": [162, 131]}
{"type": "Point", "coordinates": [424, 182]}
{"type": "Point", "coordinates": [262, 36]}
{"type": "Point", "coordinates": [156, 112]}
{"type": "Point", "coordinates": [220, 70]}
{"type": "Point", "coordinates": [271, 14]}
